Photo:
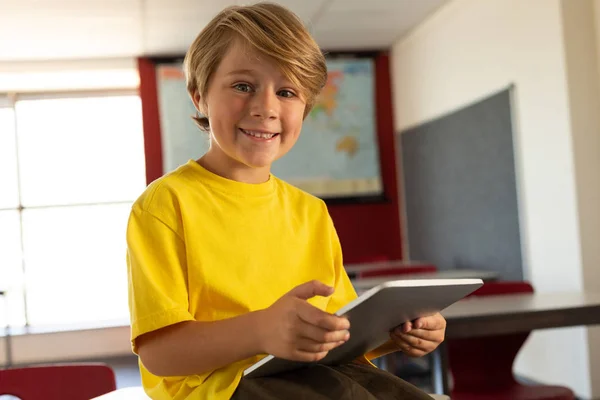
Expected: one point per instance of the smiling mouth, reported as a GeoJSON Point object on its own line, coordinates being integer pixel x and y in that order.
{"type": "Point", "coordinates": [259, 134]}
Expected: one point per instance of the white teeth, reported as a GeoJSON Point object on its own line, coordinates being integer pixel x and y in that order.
{"type": "Point", "coordinates": [260, 134]}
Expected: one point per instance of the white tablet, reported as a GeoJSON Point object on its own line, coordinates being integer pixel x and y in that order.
{"type": "Point", "coordinates": [377, 312]}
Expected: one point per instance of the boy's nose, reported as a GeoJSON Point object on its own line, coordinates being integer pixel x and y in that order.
{"type": "Point", "coordinates": [264, 106]}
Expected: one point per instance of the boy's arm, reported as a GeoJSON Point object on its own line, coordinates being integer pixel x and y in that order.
{"type": "Point", "coordinates": [291, 328]}
{"type": "Point", "coordinates": [193, 347]}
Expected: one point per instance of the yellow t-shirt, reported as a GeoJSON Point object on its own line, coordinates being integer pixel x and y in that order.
{"type": "Point", "coordinates": [205, 248]}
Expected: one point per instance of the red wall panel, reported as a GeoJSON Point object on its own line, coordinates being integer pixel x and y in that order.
{"type": "Point", "coordinates": [372, 230]}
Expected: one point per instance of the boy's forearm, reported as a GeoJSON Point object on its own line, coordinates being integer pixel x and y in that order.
{"type": "Point", "coordinates": [193, 347]}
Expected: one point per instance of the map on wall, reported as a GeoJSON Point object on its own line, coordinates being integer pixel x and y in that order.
{"type": "Point", "coordinates": [337, 154]}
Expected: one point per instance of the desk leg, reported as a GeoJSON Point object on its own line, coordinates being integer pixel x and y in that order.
{"type": "Point", "coordinates": [7, 339]}
{"type": "Point", "coordinates": [439, 370]}
{"type": "Point", "coordinates": [391, 363]}
{"type": "Point", "coordinates": [8, 344]}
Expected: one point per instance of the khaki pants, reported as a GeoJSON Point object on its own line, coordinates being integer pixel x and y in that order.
{"type": "Point", "coordinates": [319, 382]}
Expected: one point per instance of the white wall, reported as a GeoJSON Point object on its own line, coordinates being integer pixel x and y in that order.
{"type": "Point", "coordinates": [468, 50]}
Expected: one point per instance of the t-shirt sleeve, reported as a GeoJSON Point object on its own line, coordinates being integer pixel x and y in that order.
{"type": "Point", "coordinates": [157, 274]}
{"type": "Point", "coordinates": [344, 290]}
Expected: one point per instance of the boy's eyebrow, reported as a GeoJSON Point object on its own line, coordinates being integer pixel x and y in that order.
{"type": "Point", "coordinates": [248, 72]}
{"type": "Point", "coordinates": [241, 72]}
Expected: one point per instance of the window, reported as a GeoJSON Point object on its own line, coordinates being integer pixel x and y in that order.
{"type": "Point", "coordinates": [9, 196]}
{"type": "Point", "coordinates": [71, 166]}
{"type": "Point", "coordinates": [11, 266]}
{"type": "Point", "coordinates": [11, 271]}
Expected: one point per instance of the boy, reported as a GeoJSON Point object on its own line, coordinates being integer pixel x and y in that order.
{"type": "Point", "coordinates": [226, 262]}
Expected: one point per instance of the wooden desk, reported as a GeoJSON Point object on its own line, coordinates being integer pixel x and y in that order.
{"type": "Point", "coordinates": [495, 315]}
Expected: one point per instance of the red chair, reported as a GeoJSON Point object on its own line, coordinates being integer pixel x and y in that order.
{"type": "Point", "coordinates": [482, 367]}
{"type": "Point", "coordinates": [379, 267]}
{"type": "Point", "coordinates": [58, 382]}
{"type": "Point", "coordinates": [394, 271]}
{"type": "Point", "coordinates": [371, 259]}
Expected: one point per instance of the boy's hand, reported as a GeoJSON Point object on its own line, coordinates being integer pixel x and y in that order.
{"type": "Point", "coordinates": [421, 336]}
{"type": "Point", "coordinates": [294, 329]}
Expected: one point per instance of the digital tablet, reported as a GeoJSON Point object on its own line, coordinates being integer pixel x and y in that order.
{"type": "Point", "coordinates": [375, 313]}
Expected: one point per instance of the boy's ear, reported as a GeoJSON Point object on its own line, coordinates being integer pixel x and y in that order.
{"type": "Point", "coordinates": [198, 103]}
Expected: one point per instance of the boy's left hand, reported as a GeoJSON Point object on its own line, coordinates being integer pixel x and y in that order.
{"type": "Point", "coordinates": [421, 336]}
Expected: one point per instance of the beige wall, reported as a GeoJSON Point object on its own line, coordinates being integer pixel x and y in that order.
{"type": "Point", "coordinates": [595, 333]}
{"type": "Point", "coordinates": [581, 24]}
{"type": "Point", "coordinates": [597, 21]}
{"type": "Point", "coordinates": [470, 49]}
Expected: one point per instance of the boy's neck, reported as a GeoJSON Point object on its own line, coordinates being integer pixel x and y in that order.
{"type": "Point", "coordinates": [234, 170]}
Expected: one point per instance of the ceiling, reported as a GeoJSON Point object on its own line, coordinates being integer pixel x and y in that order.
{"type": "Point", "coordinates": [81, 29]}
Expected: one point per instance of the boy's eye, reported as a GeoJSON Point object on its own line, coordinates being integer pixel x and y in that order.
{"type": "Point", "coordinates": [286, 93]}
{"type": "Point", "coordinates": [243, 87]}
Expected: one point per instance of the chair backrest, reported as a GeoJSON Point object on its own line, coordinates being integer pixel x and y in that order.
{"type": "Point", "coordinates": [487, 362]}
{"type": "Point", "coordinates": [371, 259]}
{"type": "Point", "coordinates": [395, 271]}
{"type": "Point", "coordinates": [58, 381]}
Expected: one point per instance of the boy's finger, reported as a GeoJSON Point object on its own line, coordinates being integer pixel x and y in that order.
{"type": "Point", "coordinates": [417, 343]}
{"type": "Point", "coordinates": [311, 289]}
{"type": "Point", "coordinates": [432, 336]}
{"type": "Point", "coordinates": [421, 323]}
{"type": "Point", "coordinates": [320, 335]}
{"type": "Point", "coordinates": [308, 356]}
{"type": "Point", "coordinates": [315, 347]}
{"type": "Point", "coordinates": [404, 328]}
{"type": "Point", "coordinates": [312, 315]}
{"type": "Point", "coordinates": [432, 323]}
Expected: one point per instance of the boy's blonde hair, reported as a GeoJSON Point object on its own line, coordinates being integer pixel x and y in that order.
{"type": "Point", "coordinates": [273, 31]}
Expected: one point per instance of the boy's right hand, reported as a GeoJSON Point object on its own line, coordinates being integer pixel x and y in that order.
{"type": "Point", "coordinates": [294, 329]}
